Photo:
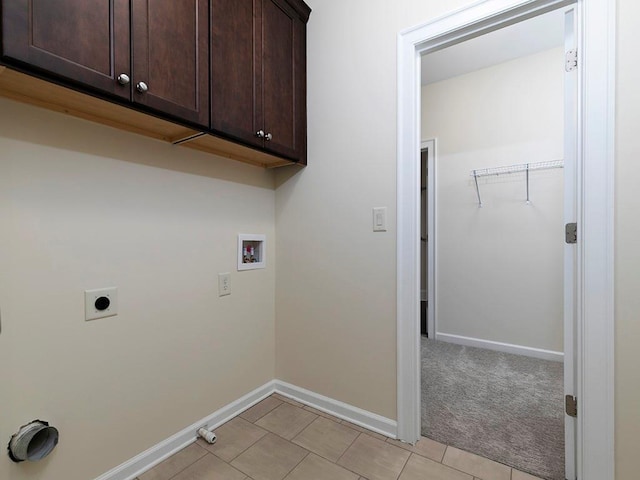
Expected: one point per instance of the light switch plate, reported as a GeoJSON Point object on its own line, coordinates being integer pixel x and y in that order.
{"type": "Point", "coordinates": [100, 303]}
{"type": "Point", "coordinates": [380, 219]}
{"type": "Point", "coordinates": [224, 284]}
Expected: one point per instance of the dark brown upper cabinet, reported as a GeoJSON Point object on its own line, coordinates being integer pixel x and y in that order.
{"type": "Point", "coordinates": [170, 46]}
{"type": "Point", "coordinates": [221, 76]}
{"type": "Point", "coordinates": [86, 42]}
{"type": "Point", "coordinates": [258, 73]}
{"type": "Point", "coordinates": [160, 62]}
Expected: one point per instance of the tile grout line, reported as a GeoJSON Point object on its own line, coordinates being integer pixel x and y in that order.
{"type": "Point", "coordinates": [192, 463]}
{"type": "Point", "coordinates": [422, 455]}
{"type": "Point", "coordinates": [354, 441]}
{"type": "Point", "coordinates": [405, 465]}
{"type": "Point", "coordinates": [471, 474]}
{"type": "Point", "coordinates": [444, 455]}
{"type": "Point", "coordinates": [298, 433]}
{"type": "Point", "coordinates": [316, 453]}
{"type": "Point", "coordinates": [346, 449]}
{"type": "Point", "coordinates": [290, 401]}
{"type": "Point", "coordinates": [229, 462]}
{"type": "Point", "coordinates": [480, 456]}
{"type": "Point", "coordinates": [265, 414]}
{"type": "Point", "coordinates": [344, 466]}
{"type": "Point", "coordinates": [269, 432]}
{"type": "Point", "coordinates": [462, 471]}
{"type": "Point", "coordinates": [280, 436]}
{"type": "Point", "coordinates": [327, 459]}
{"type": "Point", "coordinates": [296, 465]}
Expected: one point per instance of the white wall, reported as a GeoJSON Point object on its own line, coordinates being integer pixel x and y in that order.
{"type": "Point", "coordinates": [335, 300]}
{"type": "Point", "coordinates": [336, 279]}
{"type": "Point", "coordinates": [500, 267]}
{"type": "Point", "coordinates": [85, 206]}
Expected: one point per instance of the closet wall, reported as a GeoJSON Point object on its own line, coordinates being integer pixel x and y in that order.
{"type": "Point", "coordinates": [500, 274]}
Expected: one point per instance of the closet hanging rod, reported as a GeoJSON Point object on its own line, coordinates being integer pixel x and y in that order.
{"type": "Point", "coordinates": [523, 167]}
{"type": "Point", "coordinates": [507, 169]}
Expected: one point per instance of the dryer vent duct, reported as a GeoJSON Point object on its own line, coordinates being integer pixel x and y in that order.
{"type": "Point", "coordinates": [33, 442]}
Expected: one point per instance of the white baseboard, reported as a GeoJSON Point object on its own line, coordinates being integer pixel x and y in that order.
{"type": "Point", "coordinates": [502, 347]}
{"type": "Point", "coordinates": [163, 450]}
{"type": "Point", "coordinates": [355, 415]}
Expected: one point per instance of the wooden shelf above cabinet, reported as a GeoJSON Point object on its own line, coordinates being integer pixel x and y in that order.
{"type": "Point", "coordinates": [25, 88]}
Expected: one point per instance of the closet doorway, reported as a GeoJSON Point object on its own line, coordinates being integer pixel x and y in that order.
{"type": "Point", "coordinates": [595, 195]}
{"type": "Point", "coordinates": [494, 372]}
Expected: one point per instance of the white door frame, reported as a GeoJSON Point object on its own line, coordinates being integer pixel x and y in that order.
{"type": "Point", "coordinates": [595, 166]}
{"type": "Point", "coordinates": [571, 94]}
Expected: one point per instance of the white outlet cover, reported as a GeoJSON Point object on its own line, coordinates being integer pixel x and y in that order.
{"type": "Point", "coordinates": [92, 312]}
{"type": "Point", "coordinates": [224, 284]}
{"type": "Point", "coordinates": [380, 219]}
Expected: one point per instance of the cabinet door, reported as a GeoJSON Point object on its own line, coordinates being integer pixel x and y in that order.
{"type": "Point", "coordinates": [284, 78]}
{"type": "Point", "coordinates": [171, 57]}
{"type": "Point", "coordinates": [85, 42]}
{"type": "Point", "coordinates": [236, 100]}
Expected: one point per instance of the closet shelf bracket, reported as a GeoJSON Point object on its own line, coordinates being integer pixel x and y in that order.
{"type": "Point", "coordinates": [509, 169]}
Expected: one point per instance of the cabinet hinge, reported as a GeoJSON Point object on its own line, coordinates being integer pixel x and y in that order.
{"type": "Point", "coordinates": [571, 233]}
{"type": "Point", "coordinates": [571, 60]}
{"type": "Point", "coordinates": [571, 405]}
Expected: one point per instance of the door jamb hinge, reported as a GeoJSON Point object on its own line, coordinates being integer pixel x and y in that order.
{"type": "Point", "coordinates": [571, 405]}
{"type": "Point", "coordinates": [571, 60]}
{"type": "Point", "coordinates": [571, 233]}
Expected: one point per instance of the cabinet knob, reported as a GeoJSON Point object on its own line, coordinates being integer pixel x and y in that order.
{"type": "Point", "coordinates": [142, 87]}
{"type": "Point", "coordinates": [123, 79]}
{"type": "Point", "coordinates": [260, 134]}
{"type": "Point", "coordinates": [268, 137]}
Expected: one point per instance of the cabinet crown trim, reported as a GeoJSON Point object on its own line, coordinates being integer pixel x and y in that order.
{"type": "Point", "coordinates": [301, 8]}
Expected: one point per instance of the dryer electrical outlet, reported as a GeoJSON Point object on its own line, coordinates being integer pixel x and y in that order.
{"type": "Point", "coordinates": [100, 303]}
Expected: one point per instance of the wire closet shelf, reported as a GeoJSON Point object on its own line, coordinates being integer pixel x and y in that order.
{"type": "Point", "coordinates": [510, 169]}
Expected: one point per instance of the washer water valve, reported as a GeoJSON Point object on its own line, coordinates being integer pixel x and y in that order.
{"type": "Point", "coordinates": [208, 436]}
{"type": "Point", "coordinates": [33, 442]}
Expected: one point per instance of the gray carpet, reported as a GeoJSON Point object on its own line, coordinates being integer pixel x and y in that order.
{"type": "Point", "coordinates": [508, 408]}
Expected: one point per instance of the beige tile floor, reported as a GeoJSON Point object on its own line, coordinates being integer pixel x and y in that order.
{"type": "Point", "coordinates": [280, 439]}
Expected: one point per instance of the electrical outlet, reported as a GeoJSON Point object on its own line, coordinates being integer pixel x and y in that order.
{"type": "Point", "coordinates": [100, 303]}
{"type": "Point", "coordinates": [224, 284]}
